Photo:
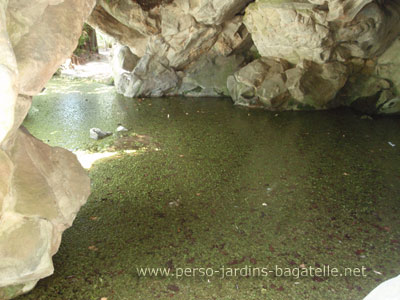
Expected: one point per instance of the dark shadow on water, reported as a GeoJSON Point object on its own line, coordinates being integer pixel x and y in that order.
{"type": "Point", "coordinates": [228, 187]}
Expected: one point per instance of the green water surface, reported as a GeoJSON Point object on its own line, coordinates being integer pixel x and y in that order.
{"type": "Point", "coordinates": [223, 187]}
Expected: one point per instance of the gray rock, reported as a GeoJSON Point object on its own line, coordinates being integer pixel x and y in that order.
{"type": "Point", "coordinates": [97, 134]}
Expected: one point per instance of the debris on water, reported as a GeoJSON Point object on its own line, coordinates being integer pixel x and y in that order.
{"type": "Point", "coordinates": [34, 110]}
{"type": "Point", "coordinates": [377, 272]}
{"type": "Point", "coordinates": [97, 133]}
{"type": "Point", "coordinates": [121, 128]}
{"type": "Point", "coordinates": [391, 144]}
{"type": "Point", "coordinates": [174, 203]}
{"type": "Point", "coordinates": [264, 204]}
{"type": "Point", "coordinates": [366, 117]}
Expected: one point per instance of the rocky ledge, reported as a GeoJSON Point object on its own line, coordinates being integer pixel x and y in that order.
{"type": "Point", "coordinates": [278, 55]}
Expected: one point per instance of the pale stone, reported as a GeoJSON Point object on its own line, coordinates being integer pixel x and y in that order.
{"type": "Point", "coordinates": [275, 85]}
{"type": "Point", "coordinates": [388, 290]}
{"type": "Point", "coordinates": [48, 44]}
{"type": "Point", "coordinates": [123, 63]}
{"type": "Point", "coordinates": [292, 30]}
{"type": "Point", "coordinates": [8, 78]}
{"type": "Point", "coordinates": [233, 37]}
{"type": "Point", "coordinates": [35, 208]}
{"type": "Point", "coordinates": [260, 83]}
{"type": "Point", "coordinates": [132, 15]}
{"type": "Point", "coordinates": [215, 12]}
{"type": "Point", "coordinates": [101, 20]}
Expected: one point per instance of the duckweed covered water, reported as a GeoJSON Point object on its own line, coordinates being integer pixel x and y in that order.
{"type": "Point", "coordinates": [227, 187]}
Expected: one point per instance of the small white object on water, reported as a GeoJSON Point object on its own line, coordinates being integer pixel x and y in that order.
{"type": "Point", "coordinates": [97, 133]}
{"type": "Point", "coordinates": [174, 203]}
{"type": "Point", "coordinates": [121, 128]}
{"type": "Point", "coordinates": [377, 272]}
{"type": "Point", "coordinates": [391, 144]}
{"type": "Point", "coordinates": [264, 204]}
{"type": "Point", "coordinates": [168, 116]}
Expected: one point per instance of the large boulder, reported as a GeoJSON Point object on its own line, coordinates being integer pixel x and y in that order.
{"type": "Point", "coordinates": [36, 209]}
{"type": "Point", "coordinates": [179, 36]}
{"type": "Point", "coordinates": [290, 30]}
{"type": "Point", "coordinates": [41, 188]}
{"type": "Point", "coordinates": [320, 30]}
{"type": "Point", "coordinates": [123, 63]}
{"type": "Point", "coordinates": [276, 85]}
{"type": "Point", "coordinates": [101, 20]}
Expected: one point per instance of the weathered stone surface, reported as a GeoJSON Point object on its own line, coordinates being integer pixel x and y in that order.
{"type": "Point", "coordinates": [320, 31]}
{"type": "Point", "coordinates": [41, 188]}
{"type": "Point", "coordinates": [233, 37]}
{"type": "Point", "coordinates": [8, 78]}
{"type": "Point", "coordinates": [314, 85]}
{"type": "Point", "coordinates": [214, 12]}
{"type": "Point", "coordinates": [276, 85]}
{"type": "Point", "coordinates": [388, 66]}
{"type": "Point", "coordinates": [36, 209]}
{"type": "Point", "coordinates": [290, 30]}
{"type": "Point", "coordinates": [38, 55]}
{"type": "Point", "coordinates": [177, 34]}
{"type": "Point", "coordinates": [134, 16]}
{"type": "Point", "coordinates": [260, 83]}
{"type": "Point", "coordinates": [152, 76]}
{"type": "Point", "coordinates": [369, 33]}
{"type": "Point", "coordinates": [185, 39]}
{"type": "Point", "coordinates": [374, 86]}
{"type": "Point", "coordinates": [101, 20]}
{"type": "Point", "coordinates": [123, 63]}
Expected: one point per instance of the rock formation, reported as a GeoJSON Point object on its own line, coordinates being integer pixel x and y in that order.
{"type": "Point", "coordinates": [41, 188]}
{"type": "Point", "coordinates": [278, 55]}
{"type": "Point", "coordinates": [329, 46]}
{"type": "Point", "coordinates": [181, 39]}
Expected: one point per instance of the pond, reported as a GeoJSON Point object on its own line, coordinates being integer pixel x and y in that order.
{"type": "Point", "coordinates": [213, 187]}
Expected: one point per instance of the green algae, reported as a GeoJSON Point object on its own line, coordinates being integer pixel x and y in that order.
{"type": "Point", "coordinates": [228, 187]}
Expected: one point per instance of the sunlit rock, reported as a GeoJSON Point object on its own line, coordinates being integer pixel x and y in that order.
{"type": "Point", "coordinates": [290, 30]}
{"type": "Point", "coordinates": [322, 30]}
{"type": "Point", "coordinates": [41, 188]}
{"type": "Point", "coordinates": [36, 209]}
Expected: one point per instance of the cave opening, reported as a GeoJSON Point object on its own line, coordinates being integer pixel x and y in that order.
{"type": "Point", "coordinates": [223, 171]}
